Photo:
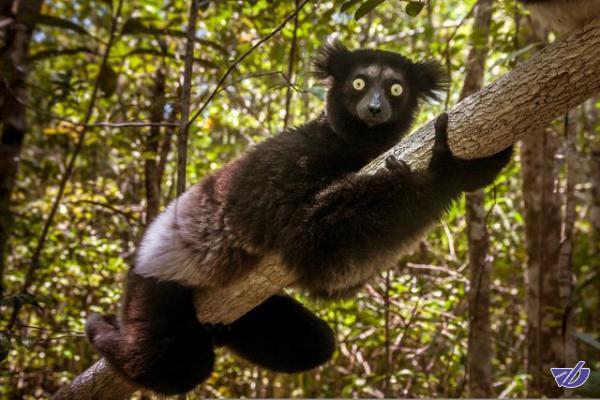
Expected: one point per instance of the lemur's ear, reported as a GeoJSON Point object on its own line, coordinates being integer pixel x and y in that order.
{"type": "Point", "coordinates": [430, 80]}
{"type": "Point", "coordinates": [332, 60]}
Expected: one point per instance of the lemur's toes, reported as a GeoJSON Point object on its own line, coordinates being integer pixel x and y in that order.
{"type": "Point", "coordinates": [96, 324]}
{"type": "Point", "coordinates": [393, 164]}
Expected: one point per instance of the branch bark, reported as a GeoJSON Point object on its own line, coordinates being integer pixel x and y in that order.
{"type": "Point", "coordinates": [556, 79]}
{"type": "Point", "coordinates": [152, 175]}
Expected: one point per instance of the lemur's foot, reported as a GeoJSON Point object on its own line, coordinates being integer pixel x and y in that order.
{"type": "Point", "coordinates": [96, 324]}
{"type": "Point", "coordinates": [463, 174]}
{"type": "Point", "coordinates": [220, 333]}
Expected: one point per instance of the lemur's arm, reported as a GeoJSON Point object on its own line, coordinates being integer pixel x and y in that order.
{"type": "Point", "coordinates": [364, 216]}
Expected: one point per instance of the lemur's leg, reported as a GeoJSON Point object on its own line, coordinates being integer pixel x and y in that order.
{"type": "Point", "coordinates": [361, 218]}
{"type": "Point", "coordinates": [158, 344]}
{"type": "Point", "coordinates": [281, 335]}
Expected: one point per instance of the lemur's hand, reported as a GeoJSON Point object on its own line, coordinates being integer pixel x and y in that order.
{"type": "Point", "coordinates": [462, 174]}
{"type": "Point", "coordinates": [393, 164]}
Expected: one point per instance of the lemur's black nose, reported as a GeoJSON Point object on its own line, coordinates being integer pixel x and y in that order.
{"type": "Point", "coordinates": [375, 108]}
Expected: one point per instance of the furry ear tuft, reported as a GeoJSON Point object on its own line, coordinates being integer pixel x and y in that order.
{"type": "Point", "coordinates": [431, 78]}
{"type": "Point", "coordinates": [330, 60]}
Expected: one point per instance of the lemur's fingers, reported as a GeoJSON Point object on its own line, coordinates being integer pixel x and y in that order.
{"type": "Point", "coordinates": [441, 133]}
{"type": "Point", "coordinates": [442, 157]}
{"type": "Point", "coordinates": [393, 164]}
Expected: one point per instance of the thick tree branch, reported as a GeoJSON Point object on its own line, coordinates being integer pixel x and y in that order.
{"type": "Point", "coordinates": [559, 77]}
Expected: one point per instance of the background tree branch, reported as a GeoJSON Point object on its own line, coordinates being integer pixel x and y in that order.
{"type": "Point", "coordinates": [556, 79]}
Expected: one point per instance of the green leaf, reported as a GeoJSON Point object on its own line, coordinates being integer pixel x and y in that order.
{"type": "Point", "coordinates": [20, 299]}
{"type": "Point", "coordinates": [366, 8]}
{"type": "Point", "coordinates": [588, 339]}
{"type": "Point", "coordinates": [50, 53]}
{"type": "Point", "coordinates": [204, 4]}
{"type": "Point", "coordinates": [56, 22]}
{"type": "Point", "coordinates": [135, 26]}
{"type": "Point", "coordinates": [349, 4]}
{"type": "Point", "coordinates": [413, 8]}
{"type": "Point", "coordinates": [108, 80]}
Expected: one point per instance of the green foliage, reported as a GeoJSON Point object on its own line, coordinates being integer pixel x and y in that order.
{"type": "Point", "coordinates": [413, 8]}
{"type": "Point", "coordinates": [366, 8]}
{"type": "Point", "coordinates": [49, 20]}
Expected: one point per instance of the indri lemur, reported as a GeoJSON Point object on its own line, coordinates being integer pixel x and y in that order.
{"type": "Point", "coordinates": [564, 15]}
{"type": "Point", "coordinates": [296, 194]}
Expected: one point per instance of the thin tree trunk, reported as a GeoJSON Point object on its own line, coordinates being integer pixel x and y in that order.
{"type": "Point", "coordinates": [550, 342]}
{"type": "Point", "coordinates": [556, 79]}
{"type": "Point", "coordinates": [565, 256]}
{"type": "Point", "coordinates": [290, 72]}
{"type": "Point", "coordinates": [542, 229]}
{"type": "Point", "coordinates": [480, 347]}
{"type": "Point", "coordinates": [14, 44]}
{"type": "Point", "coordinates": [151, 165]}
{"type": "Point", "coordinates": [186, 91]}
{"type": "Point", "coordinates": [594, 176]}
{"type": "Point", "coordinates": [595, 206]}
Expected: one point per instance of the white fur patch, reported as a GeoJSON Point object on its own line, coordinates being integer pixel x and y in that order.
{"type": "Point", "coordinates": [162, 254]}
{"type": "Point", "coordinates": [373, 71]}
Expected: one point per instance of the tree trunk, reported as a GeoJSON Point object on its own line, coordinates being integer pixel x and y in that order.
{"type": "Point", "coordinates": [550, 322]}
{"type": "Point", "coordinates": [542, 231]}
{"type": "Point", "coordinates": [566, 283]}
{"type": "Point", "coordinates": [14, 43]}
{"type": "Point", "coordinates": [186, 92]}
{"type": "Point", "coordinates": [151, 165]}
{"type": "Point", "coordinates": [535, 92]}
{"type": "Point", "coordinates": [479, 365]}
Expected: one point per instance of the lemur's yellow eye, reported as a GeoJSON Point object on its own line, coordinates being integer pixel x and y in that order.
{"type": "Point", "coordinates": [358, 84]}
{"type": "Point", "coordinates": [396, 89]}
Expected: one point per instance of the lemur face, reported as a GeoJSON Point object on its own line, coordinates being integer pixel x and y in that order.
{"type": "Point", "coordinates": [373, 88]}
{"type": "Point", "coordinates": [374, 93]}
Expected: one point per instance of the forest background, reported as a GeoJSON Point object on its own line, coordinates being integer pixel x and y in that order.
{"type": "Point", "coordinates": [91, 98]}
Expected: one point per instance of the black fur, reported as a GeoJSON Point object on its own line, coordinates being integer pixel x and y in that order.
{"type": "Point", "coordinates": [158, 342]}
{"type": "Point", "coordinates": [295, 194]}
{"type": "Point", "coordinates": [282, 335]}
